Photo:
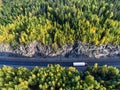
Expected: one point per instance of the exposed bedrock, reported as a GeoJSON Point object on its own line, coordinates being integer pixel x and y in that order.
{"type": "Point", "coordinates": [36, 49]}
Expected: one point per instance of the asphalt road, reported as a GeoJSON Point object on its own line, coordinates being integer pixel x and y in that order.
{"type": "Point", "coordinates": [66, 62]}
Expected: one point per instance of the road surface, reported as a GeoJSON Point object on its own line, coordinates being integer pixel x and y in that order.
{"type": "Point", "coordinates": [66, 62]}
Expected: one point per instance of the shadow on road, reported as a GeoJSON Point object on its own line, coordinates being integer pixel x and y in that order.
{"type": "Point", "coordinates": [9, 54]}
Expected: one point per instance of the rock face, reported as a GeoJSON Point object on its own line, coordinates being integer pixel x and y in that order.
{"type": "Point", "coordinates": [36, 49]}
{"type": "Point", "coordinates": [5, 50]}
{"type": "Point", "coordinates": [94, 51]}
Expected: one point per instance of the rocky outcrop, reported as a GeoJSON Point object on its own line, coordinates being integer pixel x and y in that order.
{"type": "Point", "coordinates": [79, 49]}
{"type": "Point", "coordinates": [5, 50]}
{"type": "Point", "coordinates": [95, 51]}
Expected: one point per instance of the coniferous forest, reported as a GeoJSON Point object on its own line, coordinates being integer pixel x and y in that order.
{"type": "Point", "coordinates": [60, 22]}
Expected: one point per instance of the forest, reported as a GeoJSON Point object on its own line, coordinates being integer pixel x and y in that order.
{"type": "Point", "coordinates": [60, 22]}
{"type": "Point", "coordinates": [56, 77]}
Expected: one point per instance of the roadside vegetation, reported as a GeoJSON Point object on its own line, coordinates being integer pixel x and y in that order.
{"type": "Point", "coordinates": [56, 77]}
{"type": "Point", "coordinates": [60, 22]}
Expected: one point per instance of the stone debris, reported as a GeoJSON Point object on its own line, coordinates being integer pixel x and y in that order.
{"type": "Point", "coordinates": [79, 49]}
